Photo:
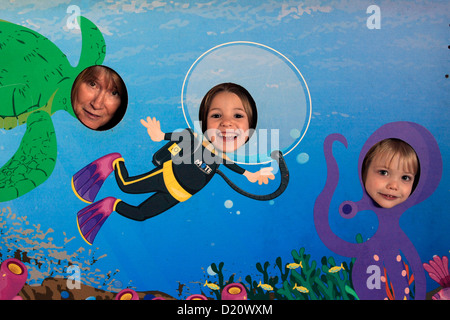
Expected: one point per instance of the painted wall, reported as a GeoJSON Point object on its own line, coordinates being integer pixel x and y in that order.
{"type": "Point", "coordinates": [315, 68]}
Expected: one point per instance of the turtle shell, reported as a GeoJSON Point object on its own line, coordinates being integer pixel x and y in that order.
{"type": "Point", "coordinates": [37, 69]}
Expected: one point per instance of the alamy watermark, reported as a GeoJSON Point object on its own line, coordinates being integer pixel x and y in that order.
{"type": "Point", "coordinates": [74, 280]}
{"type": "Point", "coordinates": [243, 145]}
{"type": "Point", "coordinates": [374, 20]}
{"type": "Point", "coordinates": [74, 12]}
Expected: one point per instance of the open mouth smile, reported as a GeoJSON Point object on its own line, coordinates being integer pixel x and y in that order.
{"type": "Point", "coordinates": [227, 136]}
{"type": "Point", "coordinates": [388, 196]}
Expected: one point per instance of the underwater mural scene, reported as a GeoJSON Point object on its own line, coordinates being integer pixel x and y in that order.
{"type": "Point", "coordinates": [224, 150]}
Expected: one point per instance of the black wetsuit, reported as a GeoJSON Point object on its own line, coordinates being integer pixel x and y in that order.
{"type": "Point", "coordinates": [191, 165]}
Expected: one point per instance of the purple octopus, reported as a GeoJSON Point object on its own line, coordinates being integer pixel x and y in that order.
{"type": "Point", "coordinates": [387, 265]}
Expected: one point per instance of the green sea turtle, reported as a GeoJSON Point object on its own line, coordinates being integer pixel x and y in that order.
{"type": "Point", "coordinates": [35, 81]}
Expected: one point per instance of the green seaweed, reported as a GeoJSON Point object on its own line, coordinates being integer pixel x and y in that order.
{"type": "Point", "coordinates": [351, 292]}
{"type": "Point", "coordinates": [308, 282]}
{"type": "Point", "coordinates": [320, 284]}
{"type": "Point", "coordinates": [256, 292]}
{"type": "Point", "coordinates": [220, 283]}
{"type": "Point", "coordinates": [317, 283]}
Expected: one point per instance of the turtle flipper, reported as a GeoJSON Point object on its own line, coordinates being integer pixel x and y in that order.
{"type": "Point", "coordinates": [93, 48]}
{"type": "Point", "coordinates": [33, 161]}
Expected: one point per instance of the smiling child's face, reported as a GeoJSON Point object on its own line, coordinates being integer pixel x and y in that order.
{"type": "Point", "coordinates": [227, 122]}
{"type": "Point", "coordinates": [389, 183]}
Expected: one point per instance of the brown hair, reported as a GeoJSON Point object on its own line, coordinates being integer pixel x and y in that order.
{"type": "Point", "coordinates": [390, 148]}
{"type": "Point", "coordinates": [113, 78]}
{"type": "Point", "coordinates": [247, 101]}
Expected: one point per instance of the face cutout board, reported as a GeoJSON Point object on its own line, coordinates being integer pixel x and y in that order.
{"type": "Point", "coordinates": [328, 79]}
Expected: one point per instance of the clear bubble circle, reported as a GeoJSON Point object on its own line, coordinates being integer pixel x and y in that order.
{"type": "Point", "coordinates": [303, 158]}
{"type": "Point", "coordinates": [279, 89]}
{"type": "Point", "coordinates": [228, 204]}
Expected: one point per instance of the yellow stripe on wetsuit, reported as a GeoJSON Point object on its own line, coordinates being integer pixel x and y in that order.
{"type": "Point", "coordinates": [175, 189]}
{"type": "Point", "coordinates": [172, 185]}
{"type": "Point", "coordinates": [126, 183]}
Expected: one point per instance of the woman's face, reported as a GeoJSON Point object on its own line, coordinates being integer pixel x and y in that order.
{"type": "Point", "coordinates": [227, 122]}
{"type": "Point", "coordinates": [96, 101]}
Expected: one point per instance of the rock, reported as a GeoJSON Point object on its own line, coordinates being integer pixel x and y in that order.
{"type": "Point", "coordinates": [56, 289]}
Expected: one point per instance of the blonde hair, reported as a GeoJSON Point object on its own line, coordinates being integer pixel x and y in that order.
{"type": "Point", "coordinates": [389, 148]}
{"type": "Point", "coordinates": [247, 102]}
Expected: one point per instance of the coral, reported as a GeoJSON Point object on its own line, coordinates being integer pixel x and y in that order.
{"type": "Point", "coordinates": [58, 269]}
{"type": "Point", "coordinates": [221, 283]}
{"type": "Point", "coordinates": [438, 271]}
{"type": "Point", "coordinates": [234, 291]}
{"type": "Point", "coordinates": [45, 257]}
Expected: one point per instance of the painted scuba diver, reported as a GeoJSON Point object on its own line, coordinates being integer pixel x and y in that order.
{"type": "Point", "coordinates": [183, 167]}
{"type": "Point", "coordinates": [34, 84]}
{"type": "Point", "coordinates": [387, 265]}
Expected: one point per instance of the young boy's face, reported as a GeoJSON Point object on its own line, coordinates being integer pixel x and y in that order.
{"type": "Point", "coordinates": [227, 122]}
{"type": "Point", "coordinates": [389, 183]}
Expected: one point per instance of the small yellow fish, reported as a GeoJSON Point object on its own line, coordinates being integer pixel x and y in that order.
{"type": "Point", "coordinates": [300, 288]}
{"type": "Point", "coordinates": [294, 265]}
{"type": "Point", "coordinates": [336, 269]}
{"type": "Point", "coordinates": [211, 285]}
{"type": "Point", "coordinates": [265, 286]}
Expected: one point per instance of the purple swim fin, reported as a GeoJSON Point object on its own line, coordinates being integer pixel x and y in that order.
{"type": "Point", "coordinates": [91, 218]}
{"type": "Point", "coordinates": [87, 182]}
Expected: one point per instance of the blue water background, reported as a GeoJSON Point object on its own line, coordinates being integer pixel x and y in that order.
{"type": "Point", "coordinates": [359, 79]}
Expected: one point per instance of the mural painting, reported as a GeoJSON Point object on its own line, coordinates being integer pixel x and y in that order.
{"type": "Point", "coordinates": [326, 122]}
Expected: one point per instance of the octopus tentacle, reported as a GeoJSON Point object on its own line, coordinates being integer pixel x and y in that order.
{"type": "Point", "coordinates": [322, 204]}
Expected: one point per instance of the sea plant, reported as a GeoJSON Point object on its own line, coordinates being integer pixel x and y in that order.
{"type": "Point", "coordinates": [303, 281]}
{"type": "Point", "coordinates": [311, 282]}
{"type": "Point", "coordinates": [308, 282]}
{"type": "Point", "coordinates": [218, 270]}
